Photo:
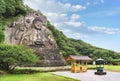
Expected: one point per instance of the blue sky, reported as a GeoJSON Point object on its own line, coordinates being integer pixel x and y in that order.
{"type": "Point", "coordinates": [94, 21]}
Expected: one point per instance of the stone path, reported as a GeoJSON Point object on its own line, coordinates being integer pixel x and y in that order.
{"type": "Point", "coordinates": [90, 76]}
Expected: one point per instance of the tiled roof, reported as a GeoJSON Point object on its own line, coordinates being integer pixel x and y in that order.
{"type": "Point", "coordinates": [75, 57]}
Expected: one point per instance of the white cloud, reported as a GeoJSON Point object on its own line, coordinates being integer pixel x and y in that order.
{"type": "Point", "coordinates": [105, 30]}
{"type": "Point", "coordinates": [74, 17]}
{"type": "Point", "coordinates": [57, 19]}
{"type": "Point", "coordinates": [53, 6]}
{"type": "Point", "coordinates": [56, 16]}
{"type": "Point", "coordinates": [66, 5]}
{"type": "Point", "coordinates": [78, 7]}
{"type": "Point", "coordinates": [62, 19]}
{"type": "Point", "coordinates": [66, 31]}
{"type": "Point", "coordinates": [98, 1]}
{"type": "Point", "coordinates": [57, 24]}
{"type": "Point", "coordinates": [56, 11]}
{"type": "Point", "coordinates": [72, 34]}
{"type": "Point", "coordinates": [74, 23]}
{"type": "Point", "coordinates": [78, 36]}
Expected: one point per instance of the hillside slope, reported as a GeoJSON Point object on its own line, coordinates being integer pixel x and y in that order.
{"type": "Point", "coordinates": [11, 9]}
{"type": "Point", "coordinates": [69, 46]}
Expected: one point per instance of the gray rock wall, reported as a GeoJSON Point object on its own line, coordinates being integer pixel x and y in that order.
{"type": "Point", "coordinates": [31, 30]}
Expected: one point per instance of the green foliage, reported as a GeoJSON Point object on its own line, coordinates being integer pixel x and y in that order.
{"type": "Point", "coordinates": [12, 56]}
{"type": "Point", "coordinates": [10, 8]}
{"type": "Point", "coordinates": [70, 46]}
{"type": "Point", "coordinates": [2, 7]}
{"type": "Point", "coordinates": [115, 61]}
{"type": "Point", "coordinates": [2, 37]}
{"type": "Point", "coordinates": [65, 45]}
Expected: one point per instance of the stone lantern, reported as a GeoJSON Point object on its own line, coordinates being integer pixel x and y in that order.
{"type": "Point", "coordinates": [100, 67]}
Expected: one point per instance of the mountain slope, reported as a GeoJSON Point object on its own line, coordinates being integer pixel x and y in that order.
{"type": "Point", "coordinates": [11, 9]}
{"type": "Point", "coordinates": [69, 46]}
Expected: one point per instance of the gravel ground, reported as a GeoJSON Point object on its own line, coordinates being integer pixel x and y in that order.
{"type": "Point", "coordinates": [90, 76]}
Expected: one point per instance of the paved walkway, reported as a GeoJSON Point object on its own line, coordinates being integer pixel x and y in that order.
{"type": "Point", "coordinates": [89, 75]}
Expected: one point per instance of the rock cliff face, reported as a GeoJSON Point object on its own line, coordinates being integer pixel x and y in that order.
{"type": "Point", "coordinates": [31, 30]}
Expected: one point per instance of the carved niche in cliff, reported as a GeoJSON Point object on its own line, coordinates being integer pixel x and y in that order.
{"type": "Point", "coordinates": [30, 30]}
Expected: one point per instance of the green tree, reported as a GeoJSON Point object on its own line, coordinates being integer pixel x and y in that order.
{"type": "Point", "coordinates": [13, 55]}
{"type": "Point", "coordinates": [2, 7]}
{"type": "Point", "coordinates": [10, 8]}
{"type": "Point", "coordinates": [2, 37]}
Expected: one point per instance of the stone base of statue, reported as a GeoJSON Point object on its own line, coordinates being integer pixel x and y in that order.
{"type": "Point", "coordinates": [100, 73]}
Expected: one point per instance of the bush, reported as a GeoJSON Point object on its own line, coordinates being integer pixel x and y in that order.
{"type": "Point", "coordinates": [12, 56]}
{"type": "Point", "coordinates": [2, 36]}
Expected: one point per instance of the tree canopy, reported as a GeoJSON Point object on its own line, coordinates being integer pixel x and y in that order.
{"type": "Point", "coordinates": [13, 55]}
{"type": "Point", "coordinates": [10, 8]}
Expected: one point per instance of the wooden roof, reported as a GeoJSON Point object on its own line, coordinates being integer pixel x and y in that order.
{"type": "Point", "coordinates": [75, 57]}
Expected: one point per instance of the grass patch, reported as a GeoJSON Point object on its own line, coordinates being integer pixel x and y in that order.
{"type": "Point", "coordinates": [92, 67]}
{"type": "Point", "coordinates": [34, 77]}
{"type": "Point", "coordinates": [42, 74]}
{"type": "Point", "coordinates": [46, 69]}
{"type": "Point", "coordinates": [115, 68]}
{"type": "Point", "coordinates": [112, 68]}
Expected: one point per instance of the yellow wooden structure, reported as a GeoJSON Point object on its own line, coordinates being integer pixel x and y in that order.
{"type": "Point", "coordinates": [78, 63]}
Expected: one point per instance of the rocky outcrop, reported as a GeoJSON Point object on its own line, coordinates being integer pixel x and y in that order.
{"type": "Point", "coordinates": [31, 30]}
